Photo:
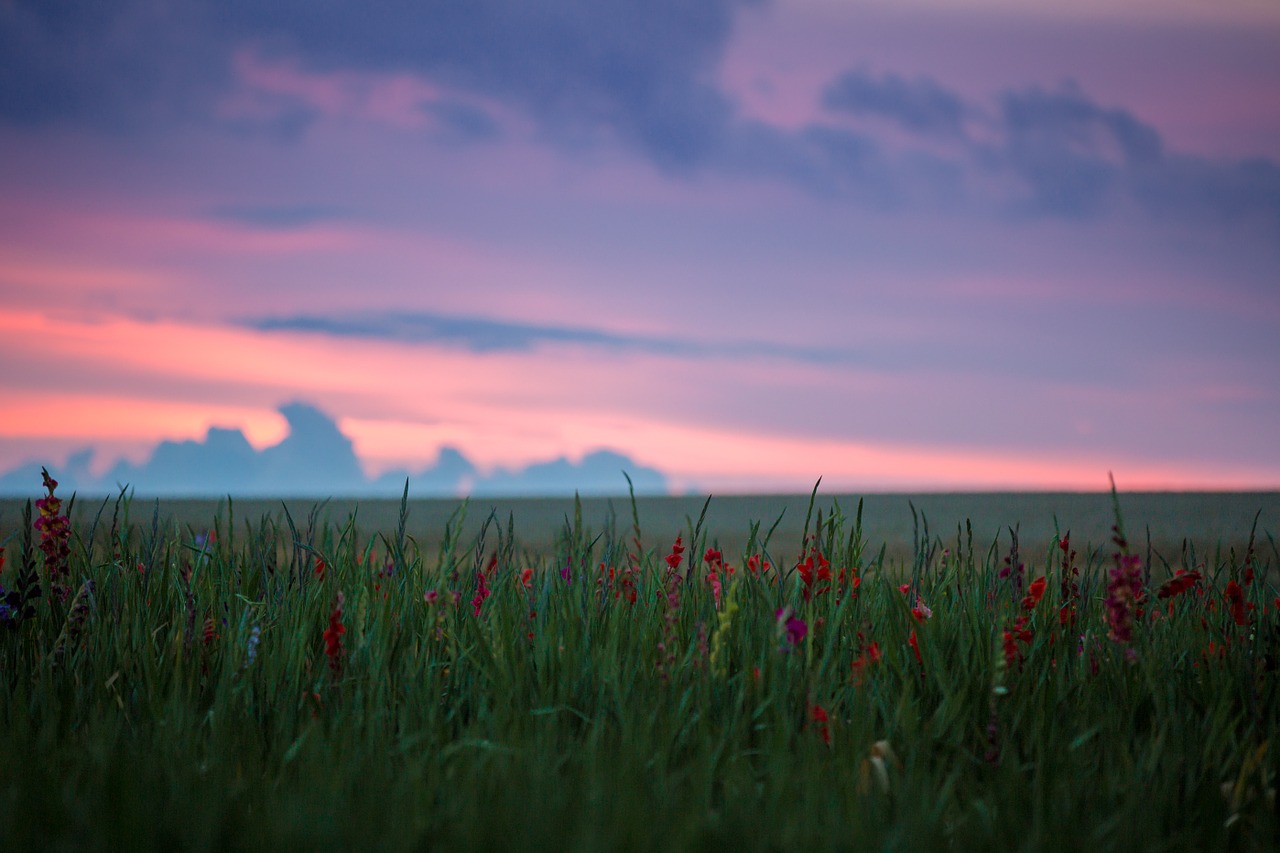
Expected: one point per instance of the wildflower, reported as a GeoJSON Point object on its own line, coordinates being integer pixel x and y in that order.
{"type": "Point", "coordinates": [55, 537]}
{"type": "Point", "coordinates": [1234, 597]}
{"type": "Point", "coordinates": [333, 635]}
{"type": "Point", "coordinates": [715, 561]}
{"type": "Point", "coordinates": [915, 646]}
{"type": "Point", "coordinates": [1034, 593]}
{"type": "Point", "coordinates": [482, 592]}
{"type": "Point", "coordinates": [1124, 592]}
{"type": "Point", "coordinates": [208, 632]}
{"type": "Point", "coordinates": [790, 629]}
{"type": "Point", "coordinates": [1011, 637]}
{"type": "Point", "coordinates": [566, 573]}
{"type": "Point", "coordinates": [1182, 581]}
{"type": "Point", "coordinates": [526, 578]}
{"type": "Point", "coordinates": [869, 655]}
{"type": "Point", "coordinates": [850, 575]}
{"type": "Point", "coordinates": [431, 596]}
{"type": "Point", "coordinates": [821, 723]}
{"type": "Point", "coordinates": [1069, 594]}
{"type": "Point", "coordinates": [921, 611]}
{"type": "Point", "coordinates": [676, 555]}
{"type": "Point", "coordinates": [320, 568]}
{"type": "Point", "coordinates": [719, 664]}
{"type": "Point", "coordinates": [1013, 568]}
{"type": "Point", "coordinates": [814, 569]}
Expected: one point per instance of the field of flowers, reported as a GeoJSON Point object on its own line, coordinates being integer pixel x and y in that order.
{"type": "Point", "coordinates": [305, 683]}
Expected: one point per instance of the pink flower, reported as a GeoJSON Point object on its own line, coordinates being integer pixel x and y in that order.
{"type": "Point", "coordinates": [1124, 594]}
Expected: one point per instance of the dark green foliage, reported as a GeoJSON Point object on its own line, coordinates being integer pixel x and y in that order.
{"type": "Point", "coordinates": [193, 705]}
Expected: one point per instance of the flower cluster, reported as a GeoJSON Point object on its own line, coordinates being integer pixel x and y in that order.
{"type": "Point", "coordinates": [815, 573]}
{"type": "Point", "coordinates": [333, 635]}
{"type": "Point", "coordinates": [55, 538]}
{"type": "Point", "coordinates": [1124, 597]}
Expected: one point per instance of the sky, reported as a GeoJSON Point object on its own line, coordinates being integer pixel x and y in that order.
{"type": "Point", "coordinates": [735, 244]}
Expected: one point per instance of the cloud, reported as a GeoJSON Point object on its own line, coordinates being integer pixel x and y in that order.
{"type": "Point", "coordinates": [920, 105]}
{"type": "Point", "coordinates": [315, 459]}
{"type": "Point", "coordinates": [1054, 153]}
{"type": "Point", "coordinates": [636, 68]}
{"type": "Point", "coordinates": [598, 73]}
{"type": "Point", "coordinates": [483, 335]}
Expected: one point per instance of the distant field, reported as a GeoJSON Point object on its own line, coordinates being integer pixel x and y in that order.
{"type": "Point", "coordinates": [1208, 519]}
{"type": "Point", "coordinates": [166, 689]}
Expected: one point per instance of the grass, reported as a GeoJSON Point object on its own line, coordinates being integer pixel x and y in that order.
{"type": "Point", "coordinates": [192, 689]}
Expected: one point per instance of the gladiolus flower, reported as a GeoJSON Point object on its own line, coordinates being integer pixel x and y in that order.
{"type": "Point", "coordinates": [791, 628]}
{"type": "Point", "coordinates": [55, 537]}
{"type": "Point", "coordinates": [821, 723]}
{"type": "Point", "coordinates": [871, 654]}
{"type": "Point", "coordinates": [1234, 596]}
{"type": "Point", "coordinates": [921, 611]}
{"type": "Point", "coordinates": [333, 635]}
{"type": "Point", "coordinates": [482, 592]}
{"type": "Point", "coordinates": [676, 555]}
{"type": "Point", "coordinates": [1034, 593]}
{"type": "Point", "coordinates": [1124, 590]}
{"type": "Point", "coordinates": [1178, 584]}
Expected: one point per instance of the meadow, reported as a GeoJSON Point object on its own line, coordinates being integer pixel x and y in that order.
{"type": "Point", "coordinates": [616, 678]}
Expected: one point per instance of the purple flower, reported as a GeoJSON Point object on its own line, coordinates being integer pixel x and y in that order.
{"type": "Point", "coordinates": [566, 574]}
{"type": "Point", "coordinates": [790, 628]}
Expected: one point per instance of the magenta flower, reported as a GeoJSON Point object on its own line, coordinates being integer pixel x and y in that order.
{"type": "Point", "coordinates": [791, 629]}
{"type": "Point", "coordinates": [1124, 595]}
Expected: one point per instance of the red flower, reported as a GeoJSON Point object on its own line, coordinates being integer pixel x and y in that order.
{"type": "Point", "coordinates": [915, 646]}
{"type": "Point", "coordinates": [821, 723]}
{"type": "Point", "coordinates": [55, 538]}
{"type": "Point", "coordinates": [482, 592]}
{"type": "Point", "coordinates": [320, 568]}
{"type": "Point", "coordinates": [1178, 584]}
{"type": "Point", "coordinates": [333, 635]}
{"type": "Point", "coordinates": [1012, 636]}
{"type": "Point", "coordinates": [526, 578]}
{"type": "Point", "coordinates": [209, 633]}
{"type": "Point", "coordinates": [871, 654]}
{"type": "Point", "coordinates": [1235, 602]}
{"type": "Point", "coordinates": [814, 568]}
{"type": "Point", "coordinates": [676, 556]}
{"type": "Point", "coordinates": [1034, 593]}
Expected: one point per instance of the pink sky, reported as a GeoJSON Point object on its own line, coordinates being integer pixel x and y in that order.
{"type": "Point", "coordinates": [898, 246]}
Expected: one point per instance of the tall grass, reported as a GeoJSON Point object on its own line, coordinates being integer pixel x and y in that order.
{"type": "Point", "coordinates": [194, 690]}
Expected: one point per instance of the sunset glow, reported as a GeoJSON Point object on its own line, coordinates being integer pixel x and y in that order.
{"type": "Point", "coordinates": [896, 246]}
